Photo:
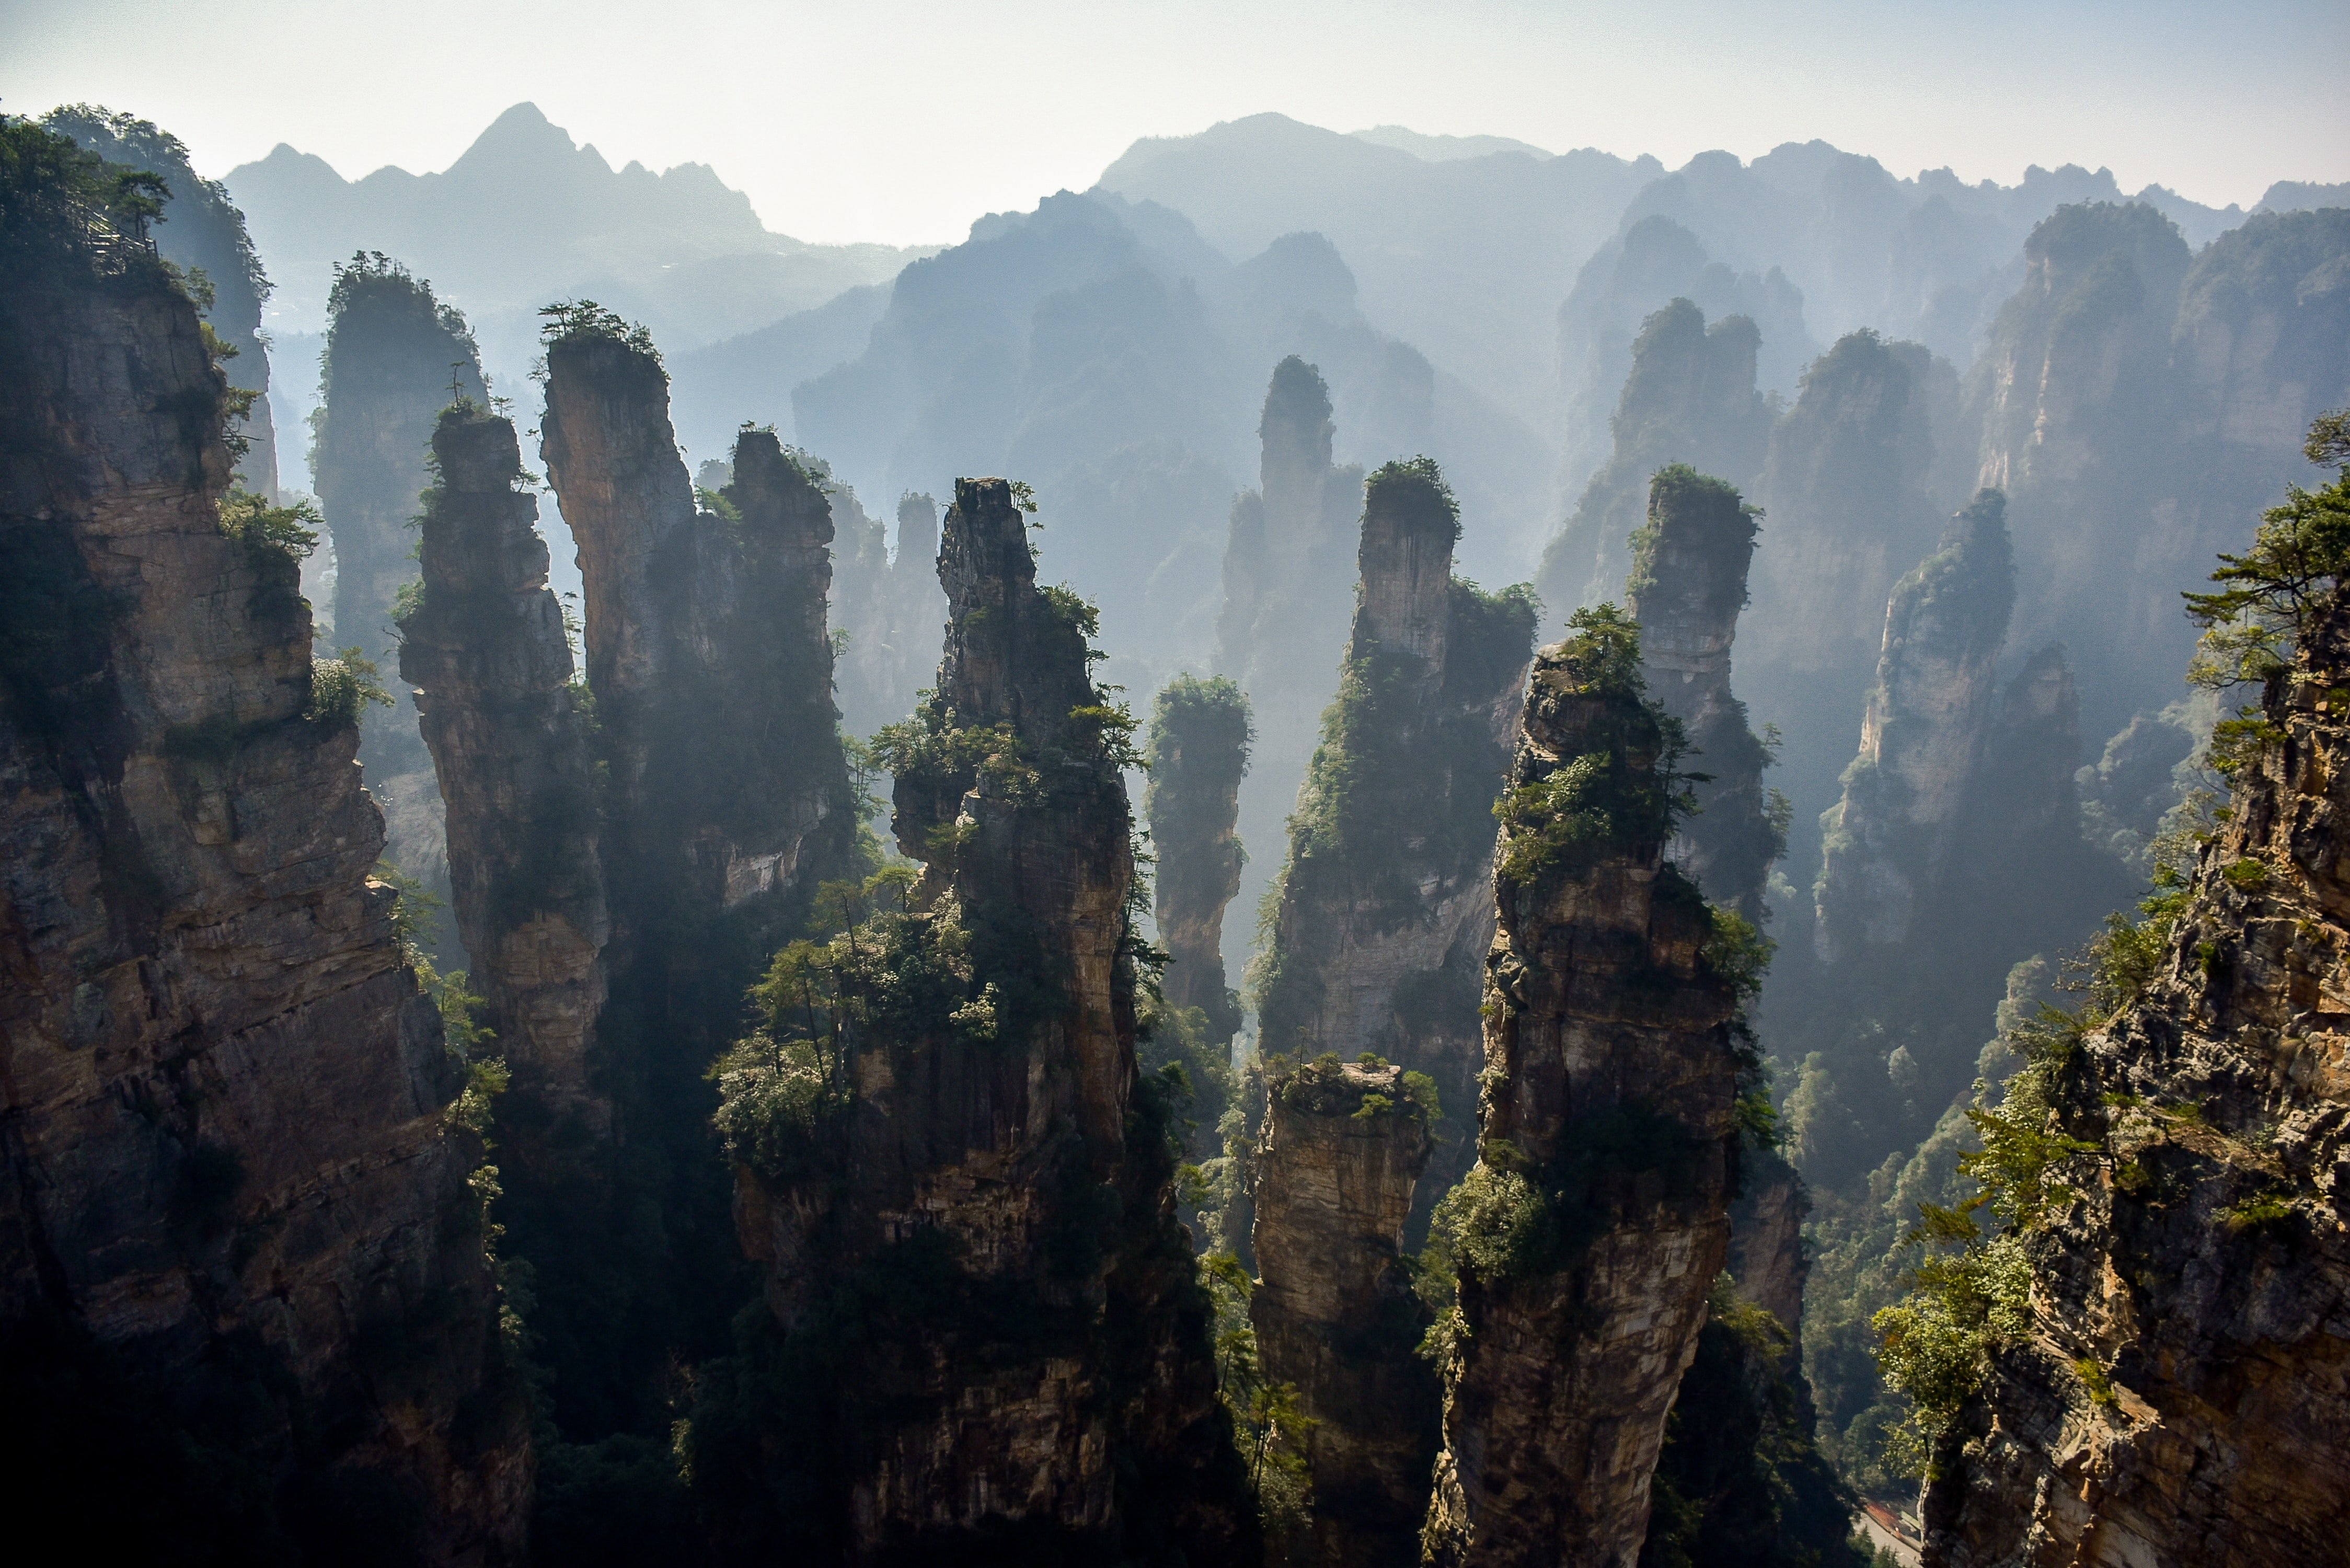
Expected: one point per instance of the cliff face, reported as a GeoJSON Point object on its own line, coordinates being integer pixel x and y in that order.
{"type": "Point", "coordinates": [1861, 475]}
{"type": "Point", "coordinates": [985, 1323]}
{"type": "Point", "coordinates": [486, 652]}
{"type": "Point", "coordinates": [1384, 903]}
{"type": "Point", "coordinates": [200, 227]}
{"type": "Point", "coordinates": [1596, 1217]}
{"type": "Point", "coordinates": [1200, 735]}
{"type": "Point", "coordinates": [241, 1262]}
{"type": "Point", "coordinates": [395, 356]}
{"type": "Point", "coordinates": [2174, 1390]}
{"type": "Point", "coordinates": [1690, 561]}
{"type": "Point", "coordinates": [1889, 840]}
{"type": "Point", "coordinates": [1690, 399]}
{"type": "Point", "coordinates": [1335, 1313]}
{"type": "Point", "coordinates": [727, 801]}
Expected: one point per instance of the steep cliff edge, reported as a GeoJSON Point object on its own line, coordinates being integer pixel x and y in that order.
{"type": "Point", "coordinates": [1384, 906]}
{"type": "Point", "coordinates": [983, 1335]}
{"type": "Point", "coordinates": [2152, 1366]}
{"type": "Point", "coordinates": [1200, 735]}
{"type": "Point", "coordinates": [484, 648]}
{"type": "Point", "coordinates": [1686, 586]}
{"type": "Point", "coordinates": [1597, 1217]}
{"type": "Point", "coordinates": [242, 1263]}
{"type": "Point", "coordinates": [1335, 1312]}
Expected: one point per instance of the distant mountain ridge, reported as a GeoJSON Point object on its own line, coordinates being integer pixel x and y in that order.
{"type": "Point", "coordinates": [527, 216]}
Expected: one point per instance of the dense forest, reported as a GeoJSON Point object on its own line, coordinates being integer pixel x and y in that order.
{"type": "Point", "coordinates": [1347, 852]}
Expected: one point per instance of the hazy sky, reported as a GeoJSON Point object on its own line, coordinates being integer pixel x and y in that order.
{"type": "Point", "coordinates": [902, 119]}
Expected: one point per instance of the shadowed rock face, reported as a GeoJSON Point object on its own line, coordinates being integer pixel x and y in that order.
{"type": "Point", "coordinates": [487, 654]}
{"type": "Point", "coordinates": [395, 356]}
{"type": "Point", "coordinates": [1385, 902]}
{"type": "Point", "coordinates": [890, 608]}
{"type": "Point", "coordinates": [2202, 1267]}
{"type": "Point", "coordinates": [1597, 1219]}
{"type": "Point", "coordinates": [1199, 736]}
{"type": "Point", "coordinates": [1335, 1312]}
{"type": "Point", "coordinates": [1686, 586]}
{"type": "Point", "coordinates": [725, 800]}
{"type": "Point", "coordinates": [1049, 1380]}
{"type": "Point", "coordinates": [229, 1178]}
{"type": "Point", "coordinates": [1889, 840]}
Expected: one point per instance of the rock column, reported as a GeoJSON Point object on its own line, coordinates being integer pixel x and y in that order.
{"type": "Point", "coordinates": [1335, 1313]}
{"type": "Point", "coordinates": [486, 652]}
{"type": "Point", "coordinates": [1200, 738]}
{"type": "Point", "coordinates": [1597, 1216]}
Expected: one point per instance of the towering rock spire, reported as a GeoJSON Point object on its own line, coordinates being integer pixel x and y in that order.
{"type": "Point", "coordinates": [485, 648]}
{"type": "Point", "coordinates": [241, 1267]}
{"type": "Point", "coordinates": [1686, 586]}
{"type": "Point", "coordinates": [1199, 736]}
{"type": "Point", "coordinates": [960, 1195]}
{"type": "Point", "coordinates": [1344, 1144]}
{"type": "Point", "coordinates": [1286, 601]}
{"type": "Point", "coordinates": [1383, 906]}
{"type": "Point", "coordinates": [1690, 399]}
{"type": "Point", "coordinates": [1889, 840]}
{"type": "Point", "coordinates": [395, 356]}
{"type": "Point", "coordinates": [1596, 1217]}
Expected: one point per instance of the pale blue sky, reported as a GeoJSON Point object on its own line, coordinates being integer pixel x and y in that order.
{"type": "Point", "coordinates": [902, 120]}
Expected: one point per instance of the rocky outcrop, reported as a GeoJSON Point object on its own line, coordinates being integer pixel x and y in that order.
{"type": "Point", "coordinates": [1200, 735]}
{"type": "Point", "coordinates": [1384, 905]}
{"type": "Point", "coordinates": [485, 650]}
{"type": "Point", "coordinates": [1285, 604]}
{"type": "Point", "coordinates": [1889, 840]}
{"type": "Point", "coordinates": [241, 1263]}
{"type": "Point", "coordinates": [201, 230]}
{"type": "Point", "coordinates": [1690, 561]}
{"type": "Point", "coordinates": [1690, 399]}
{"type": "Point", "coordinates": [396, 356]}
{"type": "Point", "coordinates": [2175, 1392]}
{"type": "Point", "coordinates": [1766, 1240]}
{"type": "Point", "coordinates": [1335, 1314]}
{"type": "Point", "coordinates": [1597, 1217]}
{"type": "Point", "coordinates": [986, 1324]}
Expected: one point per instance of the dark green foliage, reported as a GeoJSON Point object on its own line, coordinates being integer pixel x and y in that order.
{"type": "Point", "coordinates": [1715, 520]}
{"type": "Point", "coordinates": [213, 237]}
{"type": "Point", "coordinates": [1738, 1483]}
{"type": "Point", "coordinates": [1626, 790]}
{"type": "Point", "coordinates": [619, 1502]}
{"type": "Point", "coordinates": [1414, 489]}
{"type": "Point", "coordinates": [64, 212]}
{"type": "Point", "coordinates": [574, 321]}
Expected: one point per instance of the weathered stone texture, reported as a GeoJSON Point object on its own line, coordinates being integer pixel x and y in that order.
{"type": "Point", "coordinates": [1335, 1312]}
{"type": "Point", "coordinates": [1606, 1158]}
{"type": "Point", "coordinates": [1199, 754]}
{"type": "Point", "coordinates": [488, 655]}
{"type": "Point", "coordinates": [224, 1088]}
{"type": "Point", "coordinates": [2204, 1266]}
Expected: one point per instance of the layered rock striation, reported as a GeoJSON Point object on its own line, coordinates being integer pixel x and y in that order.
{"type": "Point", "coordinates": [1383, 908]}
{"type": "Point", "coordinates": [984, 1330]}
{"type": "Point", "coordinates": [1200, 735]}
{"type": "Point", "coordinates": [1687, 583]}
{"type": "Point", "coordinates": [244, 1268]}
{"type": "Point", "coordinates": [485, 650]}
{"type": "Point", "coordinates": [2170, 1384]}
{"type": "Point", "coordinates": [1335, 1311]}
{"type": "Point", "coordinates": [1597, 1217]}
